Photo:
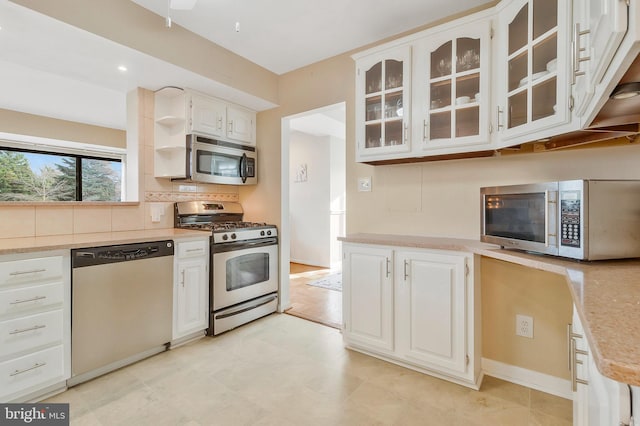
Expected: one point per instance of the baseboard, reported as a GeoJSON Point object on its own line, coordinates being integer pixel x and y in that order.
{"type": "Point", "coordinates": [309, 262]}
{"type": "Point", "coordinates": [529, 378]}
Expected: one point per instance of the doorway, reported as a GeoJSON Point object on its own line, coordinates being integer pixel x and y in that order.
{"type": "Point", "coordinates": [313, 173]}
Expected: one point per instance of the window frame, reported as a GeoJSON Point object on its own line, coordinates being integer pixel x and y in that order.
{"type": "Point", "coordinates": [78, 152]}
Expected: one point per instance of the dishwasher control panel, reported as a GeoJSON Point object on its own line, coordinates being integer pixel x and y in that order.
{"type": "Point", "coordinates": [120, 253]}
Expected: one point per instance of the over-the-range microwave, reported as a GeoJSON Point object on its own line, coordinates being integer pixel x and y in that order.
{"type": "Point", "coordinates": [221, 162]}
{"type": "Point", "coordinates": [579, 219]}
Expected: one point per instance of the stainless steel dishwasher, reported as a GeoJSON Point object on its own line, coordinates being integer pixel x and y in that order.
{"type": "Point", "coordinates": [122, 306]}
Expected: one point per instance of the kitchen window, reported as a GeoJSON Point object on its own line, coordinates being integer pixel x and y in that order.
{"type": "Point", "coordinates": [32, 175]}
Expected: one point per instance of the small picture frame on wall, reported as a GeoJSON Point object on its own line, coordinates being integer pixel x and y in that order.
{"type": "Point", "coordinates": [301, 173]}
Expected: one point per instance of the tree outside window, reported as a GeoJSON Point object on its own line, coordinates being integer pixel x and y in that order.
{"type": "Point", "coordinates": [46, 176]}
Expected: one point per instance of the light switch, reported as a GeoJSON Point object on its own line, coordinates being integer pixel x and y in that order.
{"type": "Point", "coordinates": [364, 184]}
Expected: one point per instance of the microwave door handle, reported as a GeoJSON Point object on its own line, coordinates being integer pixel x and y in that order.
{"type": "Point", "coordinates": [243, 168]}
{"type": "Point", "coordinates": [547, 205]}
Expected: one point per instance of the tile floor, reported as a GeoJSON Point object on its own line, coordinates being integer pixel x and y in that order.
{"type": "Point", "coordinates": [313, 303]}
{"type": "Point", "coordinates": [283, 370]}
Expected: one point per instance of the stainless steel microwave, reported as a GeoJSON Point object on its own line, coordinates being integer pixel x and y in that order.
{"type": "Point", "coordinates": [579, 219]}
{"type": "Point", "coordinates": [221, 162]}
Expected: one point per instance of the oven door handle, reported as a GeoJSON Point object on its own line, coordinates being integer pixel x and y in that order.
{"type": "Point", "coordinates": [241, 245]}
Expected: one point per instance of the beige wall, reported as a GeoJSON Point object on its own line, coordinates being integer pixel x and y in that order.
{"type": "Point", "coordinates": [509, 289]}
{"type": "Point", "coordinates": [75, 218]}
{"type": "Point", "coordinates": [21, 123]}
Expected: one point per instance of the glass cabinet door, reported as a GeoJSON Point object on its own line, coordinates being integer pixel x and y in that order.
{"type": "Point", "coordinates": [385, 82]}
{"type": "Point", "coordinates": [532, 63]}
{"type": "Point", "coordinates": [454, 93]}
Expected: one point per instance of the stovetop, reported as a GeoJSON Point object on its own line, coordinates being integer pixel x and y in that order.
{"type": "Point", "coordinates": [223, 219]}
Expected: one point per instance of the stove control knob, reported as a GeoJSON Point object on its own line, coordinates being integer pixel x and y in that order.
{"type": "Point", "coordinates": [268, 232]}
{"type": "Point", "coordinates": [262, 233]}
{"type": "Point", "coordinates": [233, 236]}
{"type": "Point", "coordinates": [225, 237]}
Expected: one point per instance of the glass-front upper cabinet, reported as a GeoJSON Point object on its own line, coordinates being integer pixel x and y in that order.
{"type": "Point", "coordinates": [534, 69]}
{"type": "Point", "coordinates": [383, 84]}
{"type": "Point", "coordinates": [452, 87]}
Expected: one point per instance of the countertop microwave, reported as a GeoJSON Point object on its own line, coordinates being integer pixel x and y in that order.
{"type": "Point", "coordinates": [578, 219]}
{"type": "Point", "coordinates": [220, 162]}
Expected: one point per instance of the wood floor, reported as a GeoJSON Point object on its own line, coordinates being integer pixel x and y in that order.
{"type": "Point", "coordinates": [313, 303]}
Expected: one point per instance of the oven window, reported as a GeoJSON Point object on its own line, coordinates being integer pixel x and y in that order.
{"type": "Point", "coordinates": [247, 270]}
{"type": "Point", "coordinates": [518, 216]}
{"type": "Point", "coordinates": [217, 164]}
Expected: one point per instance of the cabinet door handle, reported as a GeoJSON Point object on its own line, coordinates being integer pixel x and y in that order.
{"type": "Point", "coordinates": [230, 130]}
{"type": "Point", "coordinates": [36, 365]}
{"type": "Point", "coordinates": [33, 271]}
{"type": "Point", "coordinates": [574, 361]}
{"type": "Point", "coordinates": [577, 48]}
{"type": "Point", "coordinates": [388, 269]}
{"type": "Point", "coordinates": [182, 274]}
{"type": "Point", "coordinates": [192, 250]}
{"type": "Point", "coordinates": [219, 123]}
{"type": "Point", "coordinates": [406, 274]}
{"type": "Point", "coordinates": [424, 130]}
{"type": "Point", "coordinates": [498, 114]}
{"type": "Point", "coordinates": [33, 299]}
{"type": "Point", "coordinates": [405, 132]}
{"type": "Point", "coordinates": [24, 330]}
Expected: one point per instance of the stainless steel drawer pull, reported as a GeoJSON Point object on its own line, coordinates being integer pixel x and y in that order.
{"type": "Point", "coordinates": [33, 299]}
{"type": "Point", "coordinates": [33, 271]}
{"type": "Point", "coordinates": [36, 365]}
{"type": "Point", "coordinates": [192, 250]}
{"type": "Point", "coordinates": [24, 330]}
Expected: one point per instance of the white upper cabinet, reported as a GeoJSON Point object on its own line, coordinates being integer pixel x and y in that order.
{"type": "Point", "coordinates": [219, 119]}
{"type": "Point", "coordinates": [383, 87]}
{"type": "Point", "coordinates": [208, 116]}
{"type": "Point", "coordinates": [451, 88]}
{"type": "Point", "coordinates": [598, 29]}
{"type": "Point", "coordinates": [532, 71]}
{"type": "Point", "coordinates": [241, 124]}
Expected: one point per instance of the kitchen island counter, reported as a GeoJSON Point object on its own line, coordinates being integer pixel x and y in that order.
{"type": "Point", "coordinates": [606, 295]}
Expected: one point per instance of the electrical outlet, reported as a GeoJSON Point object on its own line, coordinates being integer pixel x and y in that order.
{"type": "Point", "coordinates": [364, 184]}
{"type": "Point", "coordinates": [524, 326]}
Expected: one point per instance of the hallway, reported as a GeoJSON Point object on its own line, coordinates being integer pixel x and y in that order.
{"type": "Point", "coordinates": [313, 303]}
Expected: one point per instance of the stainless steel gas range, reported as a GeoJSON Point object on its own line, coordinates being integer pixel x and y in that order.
{"type": "Point", "coordinates": [243, 283]}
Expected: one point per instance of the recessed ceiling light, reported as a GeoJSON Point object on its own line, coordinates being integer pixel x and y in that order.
{"type": "Point", "coordinates": [122, 68]}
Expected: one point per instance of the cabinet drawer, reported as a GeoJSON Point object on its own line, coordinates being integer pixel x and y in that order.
{"type": "Point", "coordinates": [21, 334]}
{"type": "Point", "coordinates": [30, 270]}
{"type": "Point", "coordinates": [192, 249]}
{"type": "Point", "coordinates": [39, 368]}
{"type": "Point", "coordinates": [29, 299]}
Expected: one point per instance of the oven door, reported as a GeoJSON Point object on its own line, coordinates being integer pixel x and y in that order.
{"type": "Point", "coordinates": [243, 271]}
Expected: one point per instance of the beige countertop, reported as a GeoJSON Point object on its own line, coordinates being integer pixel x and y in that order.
{"type": "Point", "coordinates": [56, 242]}
{"type": "Point", "coordinates": [606, 295]}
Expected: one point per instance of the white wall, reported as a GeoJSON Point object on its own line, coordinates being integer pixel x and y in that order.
{"type": "Point", "coordinates": [310, 199]}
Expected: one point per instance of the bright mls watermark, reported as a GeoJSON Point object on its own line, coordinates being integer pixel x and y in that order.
{"type": "Point", "coordinates": [34, 414]}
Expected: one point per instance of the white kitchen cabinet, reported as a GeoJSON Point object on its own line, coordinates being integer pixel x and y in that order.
{"type": "Point", "coordinates": [383, 107]}
{"type": "Point", "coordinates": [213, 117]}
{"type": "Point", "coordinates": [415, 307]}
{"type": "Point", "coordinates": [35, 325]}
{"type": "Point", "coordinates": [178, 112]}
{"type": "Point", "coordinates": [191, 289]}
{"type": "Point", "coordinates": [368, 297]}
{"type": "Point", "coordinates": [431, 296]}
{"type": "Point", "coordinates": [208, 116]}
{"type": "Point", "coordinates": [597, 400]}
{"type": "Point", "coordinates": [452, 88]}
{"type": "Point", "coordinates": [532, 75]}
{"type": "Point", "coordinates": [598, 29]}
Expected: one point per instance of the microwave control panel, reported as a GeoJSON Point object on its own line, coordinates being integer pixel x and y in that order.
{"type": "Point", "coordinates": [570, 218]}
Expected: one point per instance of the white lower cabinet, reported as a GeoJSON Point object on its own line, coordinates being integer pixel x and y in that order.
{"type": "Point", "coordinates": [35, 325]}
{"type": "Point", "coordinates": [191, 288]}
{"type": "Point", "coordinates": [415, 307]}
{"type": "Point", "coordinates": [597, 400]}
